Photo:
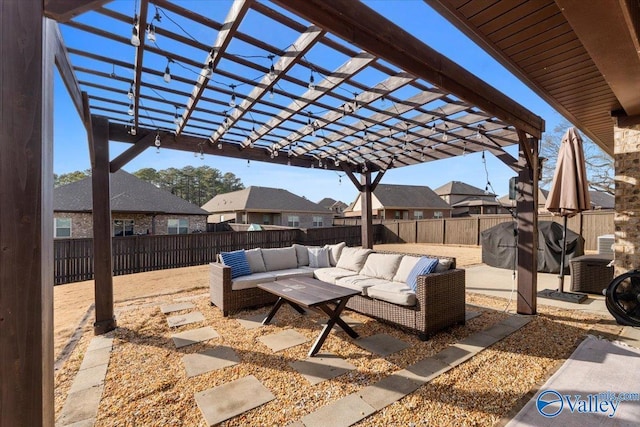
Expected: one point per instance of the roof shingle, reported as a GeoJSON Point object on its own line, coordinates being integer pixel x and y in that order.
{"type": "Point", "coordinates": [256, 198]}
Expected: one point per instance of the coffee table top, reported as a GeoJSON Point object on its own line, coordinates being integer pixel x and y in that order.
{"type": "Point", "coordinates": [307, 291]}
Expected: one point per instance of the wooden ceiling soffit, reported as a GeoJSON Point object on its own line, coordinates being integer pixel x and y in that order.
{"type": "Point", "coordinates": [363, 27]}
{"type": "Point", "coordinates": [141, 24]}
{"type": "Point", "coordinates": [291, 56]}
{"type": "Point", "coordinates": [364, 98]}
{"type": "Point", "coordinates": [234, 17]}
{"type": "Point", "coordinates": [65, 68]}
{"type": "Point", "coordinates": [64, 10]}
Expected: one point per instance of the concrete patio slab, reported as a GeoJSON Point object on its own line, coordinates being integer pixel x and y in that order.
{"type": "Point", "coordinates": [388, 390]}
{"type": "Point", "coordinates": [84, 423]}
{"type": "Point", "coordinates": [96, 357]}
{"type": "Point", "coordinates": [89, 378]}
{"type": "Point", "coordinates": [281, 340]}
{"type": "Point", "coordinates": [321, 367]}
{"type": "Point", "coordinates": [231, 399]}
{"type": "Point", "coordinates": [100, 341]}
{"type": "Point", "coordinates": [382, 344]}
{"type": "Point", "coordinates": [209, 360]}
{"type": "Point", "coordinates": [630, 336]}
{"type": "Point", "coordinates": [185, 319]}
{"type": "Point", "coordinates": [80, 406]}
{"type": "Point", "coordinates": [178, 306]}
{"type": "Point", "coordinates": [192, 336]}
{"type": "Point", "coordinates": [252, 322]}
{"type": "Point", "coordinates": [341, 413]}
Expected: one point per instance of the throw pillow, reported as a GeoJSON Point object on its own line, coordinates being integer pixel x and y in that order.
{"type": "Point", "coordinates": [318, 257]}
{"type": "Point", "coordinates": [334, 252]}
{"type": "Point", "coordinates": [254, 258]}
{"type": "Point", "coordinates": [443, 265]}
{"type": "Point", "coordinates": [237, 260]}
{"type": "Point", "coordinates": [426, 265]}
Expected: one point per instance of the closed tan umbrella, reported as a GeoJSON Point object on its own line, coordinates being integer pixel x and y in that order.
{"type": "Point", "coordinates": [569, 194]}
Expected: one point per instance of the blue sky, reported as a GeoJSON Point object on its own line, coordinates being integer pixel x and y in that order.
{"type": "Point", "coordinates": [70, 140]}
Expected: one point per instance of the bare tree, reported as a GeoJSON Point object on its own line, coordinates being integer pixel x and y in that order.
{"type": "Point", "coordinates": [599, 164]}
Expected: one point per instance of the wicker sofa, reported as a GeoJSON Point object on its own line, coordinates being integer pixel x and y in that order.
{"type": "Point", "coordinates": [437, 303]}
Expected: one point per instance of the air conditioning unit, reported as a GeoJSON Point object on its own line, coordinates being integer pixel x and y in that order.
{"type": "Point", "coordinates": [605, 244]}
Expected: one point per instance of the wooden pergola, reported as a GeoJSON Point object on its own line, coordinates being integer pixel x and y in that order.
{"type": "Point", "coordinates": [239, 97]}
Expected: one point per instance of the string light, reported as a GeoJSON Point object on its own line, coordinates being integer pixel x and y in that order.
{"type": "Point", "coordinates": [151, 32]}
{"type": "Point", "coordinates": [232, 101]}
{"type": "Point", "coordinates": [422, 155]}
{"type": "Point", "coordinates": [210, 69]}
{"type": "Point", "coordinates": [135, 39]}
{"type": "Point", "coordinates": [219, 145]}
{"type": "Point", "coordinates": [130, 111]}
{"type": "Point", "coordinates": [271, 92]}
{"type": "Point", "coordinates": [272, 69]}
{"type": "Point", "coordinates": [444, 133]}
{"type": "Point", "coordinates": [288, 162]}
{"type": "Point", "coordinates": [478, 134]}
{"type": "Point", "coordinates": [248, 162]}
{"type": "Point", "coordinates": [132, 128]}
{"type": "Point", "coordinates": [176, 118]}
{"type": "Point", "coordinates": [311, 85]}
{"type": "Point", "coordinates": [157, 142]}
{"type": "Point", "coordinates": [365, 136]}
{"type": "Point", "coordinates": [130, 93]}
{"type": "Point", "coordinates": [167, 71]}
{"type": "Point", "coordinates": [464, 148]}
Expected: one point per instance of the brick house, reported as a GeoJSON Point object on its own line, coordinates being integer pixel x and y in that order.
{"type": "Point", "coordinates": [335, 206]}
{"type": "Point", "coordinates": [391, 201]}
{"type": "Point", "coordinates": [467, 200]}
{"type": "Point", "coordinates": [268, 206]}
{"type": "Point", "coordinates": [137, 207]}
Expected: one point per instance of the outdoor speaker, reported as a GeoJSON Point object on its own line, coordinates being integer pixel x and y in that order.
{"type": "Point", "coordinates": [513, 183]}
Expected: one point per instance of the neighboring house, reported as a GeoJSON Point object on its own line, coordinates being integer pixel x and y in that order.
{"type": "Point", "coordinates": [467, 200]}
{"type": "Point", "coordinates": [269, 206]}
{"type": "Point", "coordinates": [137, 207]}
{"type": "Point", "coordinates": [599, 200]}
{"type": "Point", "coordinates": [390, 201]}
{"type": "Point", "coordinates": [507, 203]}
{"type": "Point", "coordinates": [337, 207]}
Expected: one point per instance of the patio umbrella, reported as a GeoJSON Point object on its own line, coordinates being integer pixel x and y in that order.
{"type": "Point", "coordinates": [569, 194]}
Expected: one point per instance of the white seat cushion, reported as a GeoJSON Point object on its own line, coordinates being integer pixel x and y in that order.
{"type": "Point", "coordinates": [330, 274]}
{"type": "Point", "coordinates": [382, 266]}
{"type": "Point", "coordinates": [353, 258]}
{"type": "Point", "coordinates": [280, 258]}
{"type": "Point", "coordinates": [254, 258]}
{"type": "Point", "coordinates": [393, 292]}
{"type": "Point", "coordinates": [360, 283]}
{"type": "Point", "coordinates": [406, 265]}
{"type": "Point", "coordinates": [334, 252]}
{"type": "Point", "coordinates": [251, 281]}
{"type": "Point", "coordinates": [293, 272]}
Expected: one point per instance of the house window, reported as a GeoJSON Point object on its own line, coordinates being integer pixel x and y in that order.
{"type": "Point", "coordinates": [317, 221]}
{"type": "Point", "coordinates": [418, 214]}
{"type": "Point", "coordinates": [62, 227]}
{"type": "Point", "coordinates": [396, 214]}
{"type": "Point", "coordinates": [293, 221]}
{"type": "Point", "coordinates": [437, 214]}
{"type": "Point", "coordinates": [266, 219]}
{"type": "Point", "coordinates": [178, 226]}
{"type": "Point", "coordinates": [123, 227]}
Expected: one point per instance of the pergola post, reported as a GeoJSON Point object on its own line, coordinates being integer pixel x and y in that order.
{"type": "Point", "coordinates": [367, 215]}
{"type": "Point", "coordinates": [26, 215]}
{"type": "Point", "coordinates": [102, 263]}
{"type": "Point", "coordinates": [527, 208]}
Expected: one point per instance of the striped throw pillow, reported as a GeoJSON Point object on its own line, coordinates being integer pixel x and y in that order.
{"type": "Point", "coordinates": [424, 266]}
{"type": "Point", "coordinates": [237, 260]}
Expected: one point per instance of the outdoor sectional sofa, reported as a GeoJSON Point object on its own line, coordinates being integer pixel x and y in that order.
{"type": "Point", "coordinates": [437, 303]}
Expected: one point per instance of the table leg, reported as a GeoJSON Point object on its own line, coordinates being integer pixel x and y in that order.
{"type": "Point", "coordinates": [273, 311]}
{"type": "Point", "coordinates": [334, 317]}
{"type": "Point", "coordinates": [296, 307]}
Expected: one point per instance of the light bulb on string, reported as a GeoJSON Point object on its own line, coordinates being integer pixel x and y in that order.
{"type": "Point", "coordinates": [365, 136]}
{"type": "Point", "coordinates": [272, 68]}
{"type": "Point", "coordinates": [201, 155]}
{"type": "Point", "coordinates": [464, 148]}
{"type": "Point", "coordinates": [132, 128]}
{"type": "Point", "coordinates": [130, 111]}
{"type": "Point", "coordinates": [444, 133]}
{"type": "Point", "coordinates": [135, 39]}
{"type": "Point", "coordinates": [210, 69]}
{"type": "Point", "coordinates": [320, 163]}
{"type": "Point", "coordinates": [271, 94]}
{"type": "Point", "coordinates": [422, 155]}
{"type": "Point", "coordinates": [219, 145]}
{"type": "Point", "coordinates": [248, 162]}
{"type": "Point", "coordinates": [288, 162]}
{"type": "Point", "coordinates": [157, 142]}
{"type": "Point", "coordinates": [311, 85]}
{"type": "Point", "coordinates": [176, 118]}
{"type": "Point", "coordinates": [232, 101]}
{"type": "Point", "coordinates": [167, 72]}
{"type": "Point", "coordinates": [151, 32]}
{"type": "Point", "coordinates": [130, 94]}
{"type": "Point", "coordinates": [478, 134]}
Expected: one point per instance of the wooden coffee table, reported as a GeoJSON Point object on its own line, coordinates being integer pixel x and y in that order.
{"type": "Point", "coordinates": [312, 293]}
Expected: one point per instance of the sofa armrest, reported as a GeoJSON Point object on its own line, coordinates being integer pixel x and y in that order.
{"type": "Point", "coordinates": [220, 286]}
{"type": "Point", "coordinates": [441, 300]}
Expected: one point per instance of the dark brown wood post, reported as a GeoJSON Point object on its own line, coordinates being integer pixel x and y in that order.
{"type": "Point", "coordinates": [367, 214]}
{"type": "Point", "coordinates": [527, 208]}
{"type": "Point", "coordinates": [102, 263]}
{"type": "Point", "coordinates": [26, 215]}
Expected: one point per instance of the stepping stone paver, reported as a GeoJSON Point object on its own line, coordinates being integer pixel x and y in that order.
{"type": "Point", "coordinates": [96, 357]}
{"type": "Point", "coordinates": [185, 319]}
{"type": "Point", "coordinates": [382, 344]}
{"type": "Point", "coordinates": [476, 342]}
{"type": "Point", "coordinates": [252, 322]}
{"type": "Point", "coordinates": [209, 360]}
{"type": "Point", "coordinates": [80, 406]}
{"type": "Point", "coordinates": [388, 390]}
{"type": "Point", "coordinates": [100, 341]}
{"type": "Point", "coordinates": [281, 340]}
{"type": "Point", "coordinates": [506, 327]}
{"type": "Point", "coordinates": [170, 308]}
{"type": "Point", "coordinates": [321, 367]}
{"type": "Point", "coordinates": [194, 336]}
{"type": "Point", "coordinates": [348, 320]}
{"type": "Point", "coordinates": [424, 370]}
{"type": "Point", "coordinates": [84, 423]}
{"type": "Point", "coordinates": [471, 315]}
{"type": "Point", "coordinates": [88, 378]}
{"type": "Point", "coordinates": [341, 413]}
{"type": "Point", "coordinates": [231, 399]}
{"type": "Point", "coordinates": [453, 355]}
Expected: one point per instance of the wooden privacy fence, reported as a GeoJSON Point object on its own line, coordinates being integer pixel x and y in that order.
{"type": "Point", "coordinates": [73, 258]}
{"type": "Point", "coordinates": [466, 231]}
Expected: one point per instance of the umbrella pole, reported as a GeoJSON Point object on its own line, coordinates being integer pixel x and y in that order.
{"type": "Point", "coordinates": [564, 251]}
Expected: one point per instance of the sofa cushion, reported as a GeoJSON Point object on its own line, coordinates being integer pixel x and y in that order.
{"type": "Point", "coordinates": [254, 258]}
{"type": "Point", "coordinates": [237, 260]}
{"type": "Point", "coordinates": [334, 252]}
{"type": "Point", "coordinates": [280, 258]}
{"type": "Point", "coordinates": [443, 265]}
{"type": "Point", "coordinates": [251, 281]}
{"type": "Point", "coordinates": [382, 266]}
{"type": "Point", "coordinates": [359, 282]}
{"type": "Point", "coordinates": [319, 257]}
{"type": "Point", "coordinates": [426, 265]}
{"type": "Point", "coordinates": [302, 254]}
{"type": "Point", "coordinates": [353, 258]}
{"type": "Point", "coordinates": [393, 292]}
{"type": "Point", "coordinates": [330, 274]}
{"type": "Point", "coordinates": [406, 265]}
{"type": "Point", "coordinates": [292, 272]}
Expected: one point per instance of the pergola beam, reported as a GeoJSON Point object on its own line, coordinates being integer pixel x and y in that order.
{"type": "Point", "coordinates": [360, 25]}
{"type": "Point", "coordinates": [142, 21]}
{"type": "Point", "coordinates": [63, 63]}
{"type": "Point", "coordinates": [131, 153]}
{"type": "Point", "coordinates": [64, 10]}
